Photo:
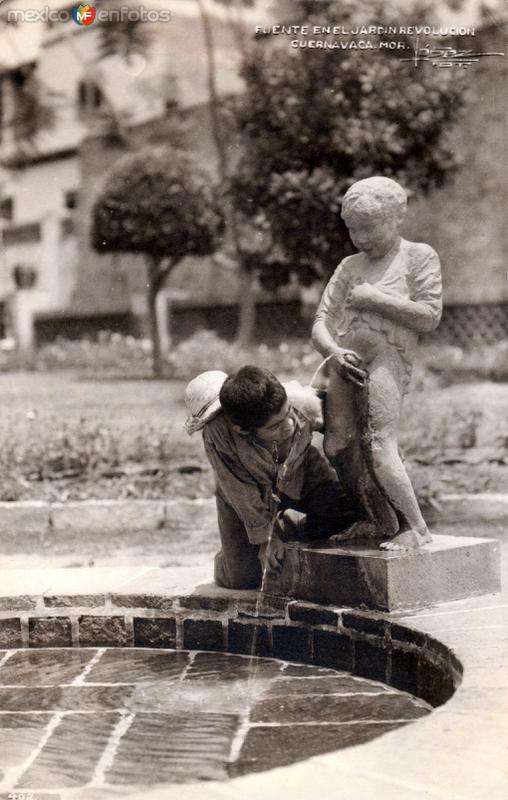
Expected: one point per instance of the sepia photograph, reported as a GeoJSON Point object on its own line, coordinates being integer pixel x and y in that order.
{"type": "Point", "coordinates": [253, 399]}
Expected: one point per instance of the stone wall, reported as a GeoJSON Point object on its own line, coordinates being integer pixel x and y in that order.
{"type": "Point", "coordinates": [466, 220]}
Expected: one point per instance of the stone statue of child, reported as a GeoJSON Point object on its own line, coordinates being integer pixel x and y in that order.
{"type": "Point", "coordinates": [376, 304]}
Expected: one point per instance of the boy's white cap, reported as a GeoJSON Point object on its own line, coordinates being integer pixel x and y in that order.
{"type": "Point", "coordinates": [202, 399]}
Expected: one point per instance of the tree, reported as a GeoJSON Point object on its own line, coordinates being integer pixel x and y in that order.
{"type": "Point", "coordinates": [313, 121]}
{"type": "Point", "coordinates": [159, 203]}
{"type": "Point", "coordinates": [241, 231]}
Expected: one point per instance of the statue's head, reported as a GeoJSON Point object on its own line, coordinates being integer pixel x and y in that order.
{"type": "Point", "coordinates": [373, 197]}
{"type": "Point", "coordinates": [373, 210]}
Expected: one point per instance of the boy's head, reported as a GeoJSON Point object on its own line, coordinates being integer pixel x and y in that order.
{"type": "Point", "coordinates": [251, 397]}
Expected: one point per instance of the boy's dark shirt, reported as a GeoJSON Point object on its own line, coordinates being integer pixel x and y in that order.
{"type": "Point", "coordinates": [250, 481]}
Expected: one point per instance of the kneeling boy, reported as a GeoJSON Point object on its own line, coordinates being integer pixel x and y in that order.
{"type": "Point", "coordinates": [259, 445]}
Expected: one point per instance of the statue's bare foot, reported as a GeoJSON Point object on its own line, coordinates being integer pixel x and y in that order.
{"type": "Point", "coordinates": [358, 531]}
{"type": "Point", "coordinates": [407, 540]}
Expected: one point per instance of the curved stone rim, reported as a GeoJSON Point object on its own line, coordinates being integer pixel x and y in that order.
{"type": "Point", "coordinates": [366, 644]}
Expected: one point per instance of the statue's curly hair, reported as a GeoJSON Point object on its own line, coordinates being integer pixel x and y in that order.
{"type": "Point", "coordinates": [376, 195]}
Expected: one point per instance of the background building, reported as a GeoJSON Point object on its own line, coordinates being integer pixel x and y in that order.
{"type": "Point", "coordinates": [55, 72]}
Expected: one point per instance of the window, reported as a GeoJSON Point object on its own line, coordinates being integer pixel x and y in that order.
{"type": "Point", "coordinates": [90, 97]}
{"type": "Point", "coordinates": [20, 76]}
{"type": "Point", "coordinates": [2, 120]}
{"type": "Point", "coordinates": [7, 208]}
{"type": "Point", "coordinates": [24, 113]}
{"type": "Point", "coordinates": [3, 320]}
{"type": "Point", "coordinates": [71, 199]}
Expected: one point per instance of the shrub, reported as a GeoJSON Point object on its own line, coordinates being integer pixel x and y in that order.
{"type": "Point", "coordinates": [205, 350]}
{"type": "Point", "coordinates": [111, 351]}
{"type": "Point", "coordinates": [124, 356]}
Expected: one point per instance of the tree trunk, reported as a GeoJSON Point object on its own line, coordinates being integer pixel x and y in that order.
{"type": "Point", "coordinates": [154, 333]}
{"type": "Point", "coordinates": [163, 311]}
{"type": "Point", "coordinates": [246, 305]}
{"type": "Point", "coordinates": [246, 308]}
{"type": "Point", "coordinates": [213, 97]}
{"type": "Point", "coordinates": [153, 288]}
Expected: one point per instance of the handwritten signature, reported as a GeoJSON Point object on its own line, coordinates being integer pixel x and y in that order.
{"type": "Point", "coordinates": [446, 57]}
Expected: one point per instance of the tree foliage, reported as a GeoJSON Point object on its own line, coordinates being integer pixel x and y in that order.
{"type": "Point", "coordinates": [121, 33]}
{"type": "Point", "coordinates": [313, 121]}
{"type": "Point", "coordinates": [157, 202]}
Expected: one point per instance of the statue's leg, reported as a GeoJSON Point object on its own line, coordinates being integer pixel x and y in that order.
{"type": "Point", "coordinates": [385, 392]}
{"type": "Point", "coordinates": [343, 446]}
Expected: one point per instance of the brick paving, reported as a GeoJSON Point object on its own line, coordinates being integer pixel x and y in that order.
{"type": "Point", "coordinates": [105, 720]}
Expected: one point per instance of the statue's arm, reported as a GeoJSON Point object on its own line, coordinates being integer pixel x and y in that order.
{"type": "Point", "coordinates": [328, 314]}
{"type": "Point", "coordinates": [410, 313]}
{"type": "Point", "coordinates": [422, 312]}
{"type": "Point", "coordinates": [328, 317]}
{"type": "Point", "coordinates": [323, 341]}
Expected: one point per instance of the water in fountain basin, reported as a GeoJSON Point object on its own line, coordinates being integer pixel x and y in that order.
{"type": "Point", "coordinates": [220, 697]}
{"type": "Point", "coordinates": [253, 679]}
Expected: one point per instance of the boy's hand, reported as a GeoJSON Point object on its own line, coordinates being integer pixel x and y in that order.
{"type": "Point", "coordinates": [271, 555]}
{"type": "Point", "coordinates": [349, 366]}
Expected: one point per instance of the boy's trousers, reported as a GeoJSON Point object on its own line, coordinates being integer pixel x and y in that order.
{"type": "Point", "coordinates": [323, 511]}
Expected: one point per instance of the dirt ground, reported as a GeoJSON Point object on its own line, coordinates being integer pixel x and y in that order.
{"type": "Point", "coordinates": [190, 546]}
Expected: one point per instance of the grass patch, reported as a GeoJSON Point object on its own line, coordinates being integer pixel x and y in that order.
{"type": "Point", "coordinates": [67, 439]}
{"type": "Point", "coordinates": [63, 438]}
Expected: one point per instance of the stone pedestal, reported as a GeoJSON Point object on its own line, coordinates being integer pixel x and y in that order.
{"type": "Point", "coordinates": [450, 568]}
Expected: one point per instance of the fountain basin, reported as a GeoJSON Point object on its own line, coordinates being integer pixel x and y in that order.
{"type": "Point", "coordinates": [107, 719]}
{"type": "Point", "coordinates": [421, 653]}
{"type": "Point", "coordinates": [367, 644]}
